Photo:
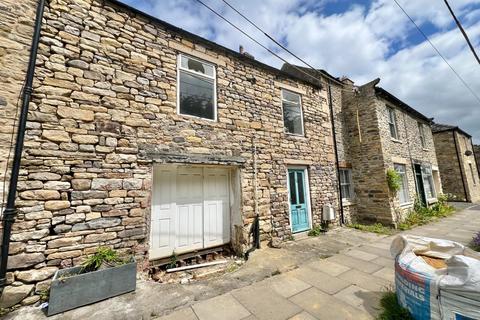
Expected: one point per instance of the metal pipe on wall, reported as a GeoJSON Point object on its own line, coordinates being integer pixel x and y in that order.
{"type": "Point", "coordinates": [10, 210]}
{"type": "Point", "coordinates": [337, 165]}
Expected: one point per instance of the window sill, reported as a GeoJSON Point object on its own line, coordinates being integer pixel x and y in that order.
{"type": "Point", "coordinates": [188, 116]}
{"type": "Point", "coordinates": [406, 204]}
{"type": "Point", "coordinates": [348, 202]}
{"type": "Point", "coordinates": [432, 200]}
{"type": "Point", "coordinates": [294, 135]}
{"type": "Point", "coordinates": [396, 140]}
{"type": "Point", "coordinates": [425, 149]}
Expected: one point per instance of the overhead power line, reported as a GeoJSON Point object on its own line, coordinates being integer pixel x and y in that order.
{"type": "Point", "coordinates": [260, 44]}
{"type": "Point", "coordinates": [268, 36]}
{"type": "Point", "coordinates": [439, 53]}
{"type": "Point", "coordinates": [459, 25]}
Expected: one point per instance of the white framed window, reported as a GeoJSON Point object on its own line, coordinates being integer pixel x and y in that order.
{"type": "Point", "coordinates": [346, 184]}
{"type": "Point", "coordinates": [392, 122]}
{"type": "Point", "coordinates": [403, 195]}
{"type": "Point", "coordinates": [196, 94]}
{"type": "Point", "coordinates": [428, 182]}
{"type": "Point", "coordinates": [292, 112]}
{"type": "Point", "coordinates": [421, 131]}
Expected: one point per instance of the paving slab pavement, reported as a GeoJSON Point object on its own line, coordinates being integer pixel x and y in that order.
{"type": "Point", "coordinates": [341, 275]}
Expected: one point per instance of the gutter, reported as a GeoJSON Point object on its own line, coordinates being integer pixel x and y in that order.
{"type": "Point", "coordinates": [10, 211]}
{"type": "Point", "coordinates": [337, 165]}
{"type": "Point", "coordinates": [460, 166]}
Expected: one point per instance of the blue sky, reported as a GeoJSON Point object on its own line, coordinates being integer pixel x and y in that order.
{"type": "Point", "coordinates": [361, 39]}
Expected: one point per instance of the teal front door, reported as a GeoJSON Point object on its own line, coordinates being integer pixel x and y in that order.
{"type": "Point", "coordinates": [298, 200]}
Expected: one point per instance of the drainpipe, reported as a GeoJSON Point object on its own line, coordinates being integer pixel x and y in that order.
{"type": "Point", "coordinates": [10, 210]}
{"type": "Point", "coordinates": [460, 166]}
{"type": "Point", "coordinates": [337, 165]}
{"type": "Point", "coordinates": [255, 229]}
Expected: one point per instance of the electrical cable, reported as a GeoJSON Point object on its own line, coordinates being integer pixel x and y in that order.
{"type": "Point", "coordinates": [257, 42]}
{"type": "Point", "coordinates": [459, 25]}
{"type": "Point", "coordinates": [438, 52]}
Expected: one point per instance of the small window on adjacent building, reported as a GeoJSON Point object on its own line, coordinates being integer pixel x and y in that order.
{"type": "Point", "coordinates": [196, 88]}
{"type": "Point", "coordinates": [403, 194]}
{"type": "Point", "coordinates": [346, 183]}
{"type": "Point", "coordinates": [392, 122]}
{"type": "Point", "coordinates": [292, 112]}
{"type": "Point", "coordinates": [473, 173]}
{"type": "Point", "coordinates": [428, 182]}
{"type": "Point", "coordinates": [421, 130]}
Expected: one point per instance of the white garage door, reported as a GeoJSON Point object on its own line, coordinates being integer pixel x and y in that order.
{"type": "Point", "coordinates": [190, 209]}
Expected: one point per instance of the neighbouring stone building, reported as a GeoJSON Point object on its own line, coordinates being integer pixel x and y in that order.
{"type": "Point", "coordinates": [456, 160]}
{"type": "Point", "coordinates": [476, 153]}
{"type": "Point", "coordinates": [152, 140]}
{"type": "Point", "coordinates": [381, 132]}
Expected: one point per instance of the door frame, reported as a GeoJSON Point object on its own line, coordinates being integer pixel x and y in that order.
{"type": "Point", "coordinates": [233, 197]}
{"type": "Point", "coordinates": [422, 195]}
{"type": "Point", "coordinates": [307, 198]}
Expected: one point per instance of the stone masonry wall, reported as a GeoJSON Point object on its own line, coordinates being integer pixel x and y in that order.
{"type": "Point", "coordinates": [343, 145]}
{"type": "Point", "coordinates": [16, 29]}
{"type": "Point", "coordinates": [449, 165]}
{"type": "Point", "coordinates": [476, 151]}
{"type": "Point", "coordinates": [471, 180]}
{"type": "Point", "coordinates": [372, 151]}
{"type": "Point", "coordinates": [366, 156]}
{"type": "Point", "coordinates": [104, 112]}
{"type": "Point", "coordinates": [407, 149]}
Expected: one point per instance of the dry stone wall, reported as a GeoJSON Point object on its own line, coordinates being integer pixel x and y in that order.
{"type": "Point", "coordinates": [104, 112]}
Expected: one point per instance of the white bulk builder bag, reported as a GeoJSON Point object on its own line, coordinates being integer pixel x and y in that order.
{"type": "Point", "coordinates": [436, 279]}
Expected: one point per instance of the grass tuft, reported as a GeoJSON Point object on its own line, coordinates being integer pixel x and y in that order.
{"type": "Point", "coordinates": [423, 215]}
{"type": "Point", "coordinates": [391, 309]}
{"type": "Point", "coordinates": [376, 228]}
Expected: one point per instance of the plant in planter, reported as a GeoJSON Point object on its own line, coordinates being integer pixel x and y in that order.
{"type": "Point", "coordinates": [103, 275]}
{"type": "Point", "coordinates": [104, 257]}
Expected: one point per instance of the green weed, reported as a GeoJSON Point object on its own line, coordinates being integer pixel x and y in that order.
{"type": "Point", "coordinates": [376, 228]}
{"type": "Point", "coordinates": [391, 309]}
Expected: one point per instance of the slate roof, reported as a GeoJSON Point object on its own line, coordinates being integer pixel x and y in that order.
{"type": "Point", "coordinates": [439, 127]}
{"type": "Point", "coordinates": [399, 103]}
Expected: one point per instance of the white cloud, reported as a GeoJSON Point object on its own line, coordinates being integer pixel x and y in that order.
{"type": "Point", "coordinates": [359, 42]}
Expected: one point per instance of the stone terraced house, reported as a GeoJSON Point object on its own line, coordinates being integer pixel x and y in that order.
{"type": "Point", "coordinates": [381, 132]}
{"type": "Point", "coordinates": [152, 140]}
{"type": "Point", "coordinates": [456, 160]}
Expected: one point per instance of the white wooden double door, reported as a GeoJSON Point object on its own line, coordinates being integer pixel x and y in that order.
{"type": "Point", "coordinates": [190, 209]}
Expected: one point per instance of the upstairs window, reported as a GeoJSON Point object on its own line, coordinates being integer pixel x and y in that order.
{"type": "Point", "coordinates": [392, 122]}
{"type": "Point", "coordinates": [403, 195]}
{"type": "Point", "coordinates": [421, 130]}
{"type": "Point", "coordinates": [196, 88]}
{"type": "Point", "coordinates": [346, 183]}
{"type": "Point", "coordinates": [292, 112]}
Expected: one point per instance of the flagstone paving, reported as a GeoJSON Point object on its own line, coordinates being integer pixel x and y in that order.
{"type": "Point", "coordinates": [339, 275]}
{"type": "Point", "coordinates": [347, 285]}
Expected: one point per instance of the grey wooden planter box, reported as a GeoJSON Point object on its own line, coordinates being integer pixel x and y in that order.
{"type": "Point", "coordinates": [77, 290]}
